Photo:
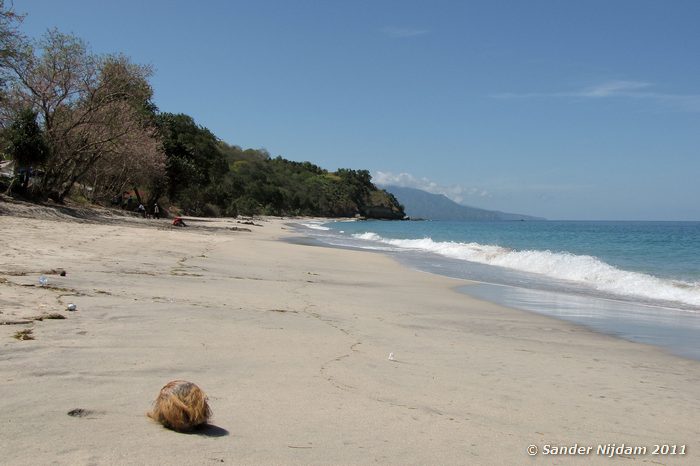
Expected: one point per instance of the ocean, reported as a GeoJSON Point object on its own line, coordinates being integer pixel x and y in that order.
{"type": "Point", "coordinates": [635, 280]}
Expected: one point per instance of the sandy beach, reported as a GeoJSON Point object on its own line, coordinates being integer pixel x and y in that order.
{"type": "Point", "coordinates": [291, 343]}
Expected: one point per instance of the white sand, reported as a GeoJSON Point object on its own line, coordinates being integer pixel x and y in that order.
{"type": "Point", "coordinates": [291, 343]}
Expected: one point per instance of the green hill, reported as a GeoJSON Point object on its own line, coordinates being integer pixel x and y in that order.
{"type": "Point", "coordinates": [206, 176]}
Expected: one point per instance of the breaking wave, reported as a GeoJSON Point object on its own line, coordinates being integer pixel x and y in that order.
{"type": "Point", "coordinates": [582, 269]}
{"type": "Point", "coordinates": [315, 226]}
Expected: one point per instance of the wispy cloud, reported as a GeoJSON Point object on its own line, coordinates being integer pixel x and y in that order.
{"type": "Point", "coordinates": [613, 88]}
{"type": "Point", "coordinates": [618, 89]}
{"type": "Point", "coordinates": [455, 192]}
{"type": "Point", "coordinates": [403, 32]}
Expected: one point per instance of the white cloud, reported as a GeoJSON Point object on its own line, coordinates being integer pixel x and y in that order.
{"type": "Point", "coordinates": [620, 89]}
{"type": "Point", "coordinates": [455, 192]}
{"type": "Point", "coordinates": [401, 32]}
{"type": "Point", "coordinates": [612, 88]}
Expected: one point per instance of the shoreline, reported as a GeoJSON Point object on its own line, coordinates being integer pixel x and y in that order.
{"type": "Point", "coordinates": [291, 343]}
{"type": "Point", "coordinates": [672, 329]}
{"type": "Point", "coordinates": [674, 332]}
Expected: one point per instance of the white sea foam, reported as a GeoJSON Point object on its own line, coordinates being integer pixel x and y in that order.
{"type": "Point", "coordinates": [370, 236]}
{"type": "Point", "coordinates": [586, 270]}
{"type": "Point", "coordinates": [315, 226]}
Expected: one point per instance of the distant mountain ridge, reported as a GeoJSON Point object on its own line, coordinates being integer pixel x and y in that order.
{"type": "Point", "coordinates": [422, 204]}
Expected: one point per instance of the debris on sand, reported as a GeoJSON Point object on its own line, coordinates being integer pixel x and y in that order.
{"type": "Point", "coordinates": [25, 334]}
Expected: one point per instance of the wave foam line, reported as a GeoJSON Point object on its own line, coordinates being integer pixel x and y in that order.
{"type": "Point", "coordinates": [588, 270]}
{"type": "Point", "coordinates": [315, 226]}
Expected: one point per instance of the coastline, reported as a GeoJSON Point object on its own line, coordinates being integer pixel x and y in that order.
{"type": "Point", "coordinates": [291, 344]}
{"type": "Point", "coordinates": [670, 325]}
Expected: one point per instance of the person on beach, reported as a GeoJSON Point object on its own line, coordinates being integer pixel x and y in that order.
{"type": "Point", "coordinates": [156, 211]}
{"type": "Point", "coordinates": [178, 222]}
{"type": "Point", "coordinates": [129, 202]}
{"type": "Point", "coordinates": [142, 210]}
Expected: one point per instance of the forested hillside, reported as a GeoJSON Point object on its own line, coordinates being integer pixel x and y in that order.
{"type": "Point", "coordinates": [84, 126]}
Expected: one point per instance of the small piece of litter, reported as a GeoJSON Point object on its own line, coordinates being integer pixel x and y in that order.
{"type": "Point", "coordinates": [391, 357]}
{"type": "Point", "coordinates": [72, 307]}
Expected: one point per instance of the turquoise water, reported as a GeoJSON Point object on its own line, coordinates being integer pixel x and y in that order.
{"type": "Point", "coordinates": [638, 280]}
{"type": "Point", "coordinates": [665, 249]}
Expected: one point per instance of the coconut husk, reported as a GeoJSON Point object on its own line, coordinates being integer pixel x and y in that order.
{"type": "Point", "coordinates": [181, 406]}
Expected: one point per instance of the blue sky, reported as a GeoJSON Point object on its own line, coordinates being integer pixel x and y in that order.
{"type": "Point", "coordinates": [561, 109]}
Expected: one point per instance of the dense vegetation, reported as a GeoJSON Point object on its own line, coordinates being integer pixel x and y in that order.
{"type": "Point", "coordinates": [207, 176]}
{"type": "Point", "coordinates": [81, 125]}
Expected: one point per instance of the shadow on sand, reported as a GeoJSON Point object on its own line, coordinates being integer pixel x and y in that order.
{"type": "Point", "coordinates": [209, 430]}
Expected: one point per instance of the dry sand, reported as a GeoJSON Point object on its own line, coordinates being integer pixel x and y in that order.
{"type": "Point", "coordinates": [291, 343]}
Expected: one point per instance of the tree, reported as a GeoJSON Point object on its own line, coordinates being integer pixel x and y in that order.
{"type": "Point", "coordinates": [92, 108]}
{"type": "Point", "coordinates": [132, 153]}
{"type": "Point", "coordinates": [25, 141]}
{"type": "Point", "coordinates": [10, 39]}
{"type": "Point", "coordinates": [137, 159]}
{"type": "Point", "coordinates": [26, 145]}
{"type": "Point", "coordinates": [194, 159]}
{"type": "Point", "coordinates": [9, 34]}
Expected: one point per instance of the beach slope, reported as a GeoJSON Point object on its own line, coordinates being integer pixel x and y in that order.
{"type": "Point", "coordinates": [291, 342]}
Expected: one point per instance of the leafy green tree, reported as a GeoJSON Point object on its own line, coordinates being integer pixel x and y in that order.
{"type": "Point", "coordinates": [194, 160]}
{"type": "Point", "coordinates": [25, 140]}
{"type": "Point", "coordinates": [26, 145]}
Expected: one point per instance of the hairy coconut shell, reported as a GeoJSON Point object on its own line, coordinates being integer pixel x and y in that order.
{"type": "Point", "coordinates": [181, 406]}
